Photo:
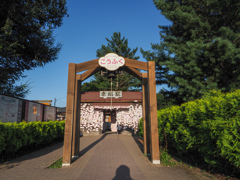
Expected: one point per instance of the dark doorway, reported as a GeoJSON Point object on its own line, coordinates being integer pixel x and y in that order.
{"type": "Point", "coordinates": [109, 123]}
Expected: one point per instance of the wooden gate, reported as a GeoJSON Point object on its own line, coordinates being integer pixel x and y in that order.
{"type": "Point", "coordinates": [150, 121]}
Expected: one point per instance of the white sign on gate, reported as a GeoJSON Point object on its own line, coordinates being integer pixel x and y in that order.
{"type": "Point", "coordinates": [114, 94]}
{"type": "Point", "coordinates": [111, 61]}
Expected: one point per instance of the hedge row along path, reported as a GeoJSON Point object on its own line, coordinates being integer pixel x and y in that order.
{"type": "Point", "coordinates": [206, 129]}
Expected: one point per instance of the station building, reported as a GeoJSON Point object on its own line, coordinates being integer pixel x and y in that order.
{"type": "Point", "coordinates": [106, 110]}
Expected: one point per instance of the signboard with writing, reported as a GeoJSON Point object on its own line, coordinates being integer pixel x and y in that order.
{"type": "Point", "coordinates": [111, 61]}
{"type": "Point", "coordinates": [9, 109]}
{"type": "Point", "coordinates": [33, 111]}
{"type": "Point", "coordinates": [50, 113]}
{"type": "Point", "coordinates": [107, 94]}
{"type": "Point", "coordinates": [114, 127]}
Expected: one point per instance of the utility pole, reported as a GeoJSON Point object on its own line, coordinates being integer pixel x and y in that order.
{"type": "Point", "coordinates": [55, 100]}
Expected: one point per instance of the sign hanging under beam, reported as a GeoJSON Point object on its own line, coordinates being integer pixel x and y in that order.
{"type": "Point", "coordinates": [107, 94]}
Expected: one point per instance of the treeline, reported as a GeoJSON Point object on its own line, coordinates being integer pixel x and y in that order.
{"type": "Point", "coordinates": [199, 49]}
{"type": "Point", "coordinates": [16, 138]}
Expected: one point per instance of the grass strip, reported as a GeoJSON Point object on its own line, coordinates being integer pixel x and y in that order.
{"type": "Point", "coordinates": [57, 164]}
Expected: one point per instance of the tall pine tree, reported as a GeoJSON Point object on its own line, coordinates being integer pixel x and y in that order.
{"type": "Point", "coordinates": [123, 82]}
{"type": "Point", "coordinates": [26, 39]}
{"type": "Point", "coordinates": [200, 51]}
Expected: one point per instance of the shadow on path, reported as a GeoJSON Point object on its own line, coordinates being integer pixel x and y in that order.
{"type": "Point", "coordinates": [122, 172]}
{"type": "Point", "coordinates": [139, 141]}
{"type": "Point", "coordinates": [82, 152]}
{"type": "Point", "coordinates": [32, 155]}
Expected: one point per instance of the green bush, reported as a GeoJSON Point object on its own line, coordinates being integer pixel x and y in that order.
{"type": "Point", "coordinates": [206, 129]}
{"type": "Point", "coordinates": [16, 136]}
{"type": "Point", "coordinates": [140, 127]}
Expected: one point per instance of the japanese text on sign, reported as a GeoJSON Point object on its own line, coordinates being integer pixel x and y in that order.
{"type": "Point", "coordinates": [111, 61]}
{"type": "Point", "coordinates": [114, 94]}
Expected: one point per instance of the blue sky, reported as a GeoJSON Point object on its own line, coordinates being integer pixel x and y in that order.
{"type": "Point", "coordinates": [85, 30]}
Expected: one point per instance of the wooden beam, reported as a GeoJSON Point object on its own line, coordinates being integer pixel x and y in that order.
{"type": "Point", "coordinates": [76, 123]}
{"type": "Point", "coordinates": [133, 72]}
{"type": "Point", "coordinates": [136, 64]}
{"type": "Point", "coordinates": [155, 156]}
{"type": "Point", "coordinates": [109, 100]}
{"type": "Point", "coordinates": [89, 73]}
{"type": "Point", "coordinates": [67, 146]}
{"type": "Point", "coordinates": [87, 65]}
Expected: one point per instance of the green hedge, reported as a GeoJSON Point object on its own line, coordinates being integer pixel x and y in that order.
{"type": "Point", "coordinates": [207, 129]}
{"type": "Point", "coordinates": [16, 136]}
{"type": "Point", "coordinates": [140, 127]}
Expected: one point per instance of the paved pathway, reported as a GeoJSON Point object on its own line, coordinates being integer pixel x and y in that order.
{"type": "Point", "coordinates": [104, 157]}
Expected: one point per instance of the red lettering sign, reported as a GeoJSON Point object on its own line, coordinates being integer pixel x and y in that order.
{"type": "Point", "coordinates": [111, 61]}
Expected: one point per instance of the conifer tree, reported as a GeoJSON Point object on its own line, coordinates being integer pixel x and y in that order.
{"type": "Point", "coordinates": [123, 82]}
{"type": "Point", "coordinates": [201, 49]}
{"type": "Point", "coordinates": [26, 39]}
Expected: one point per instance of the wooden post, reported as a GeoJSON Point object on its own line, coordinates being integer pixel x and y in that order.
{"type": "Point", "coordinates": [148, 125]}
{"type": "Point", "coordinates": [67, 147]}
{"type": "Point", "coordinates": [144, 104]}
{"type": "Point", "coordinates": [76, 122]}
{"type": "Point", "coordinates": [153, 113]}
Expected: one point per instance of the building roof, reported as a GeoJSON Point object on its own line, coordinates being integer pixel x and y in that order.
{"type": "Point", "coordinates": [61, 109]}
{"type": "Point", "coordinates": [126, 97]}
{"type": "Point", "coordinates": [45, 102]}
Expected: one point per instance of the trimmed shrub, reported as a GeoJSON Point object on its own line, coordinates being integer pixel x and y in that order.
{"type": "Point", "coordinates": [16, 136]}
{"type": "Point", "coordinates": [206, 129]}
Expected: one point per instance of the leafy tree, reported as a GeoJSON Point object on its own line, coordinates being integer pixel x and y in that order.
{"type": "Point", "coordinates": [123, 82]}
{"type": "Point", "coordinates": [13, 90]}
{"type": "Point", "coordinates": [26, 39]}
{"type": "Point", "coordinates": [166, 98]}
{"type": "Point", "coordinates": [200, 50]}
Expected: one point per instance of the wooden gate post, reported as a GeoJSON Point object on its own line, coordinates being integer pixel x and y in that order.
{"type": "Point", "coordinates": [76, 120]}
{"type": "Point", "coordinates": [67, 146]}
{"type": "Point", "coordinates": [145, 104]}
{"type": "Point", "coordinates": [155, 157]}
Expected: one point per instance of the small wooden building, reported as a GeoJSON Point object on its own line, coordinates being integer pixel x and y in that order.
{"type": "Point", "coordinates": [105, 111]}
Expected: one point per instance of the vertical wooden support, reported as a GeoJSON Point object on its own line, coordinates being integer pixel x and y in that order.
{"type": "Point", "coordinates": [76, 119]}
{"type": "Point", "coordinates": [148, 129]}
{"type": "Point", "coordinates": [153, 113]}
{"type": "Point", "coordinates": [148, 125]}
{"type": "Point", "coordinates": [144, 104]}
{"type": "Point", "coordinates": [67, 146]}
